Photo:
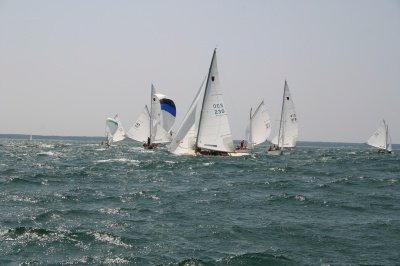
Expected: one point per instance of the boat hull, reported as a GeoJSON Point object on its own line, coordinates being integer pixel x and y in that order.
{"type": "Point", "coordinates": [275, 152]}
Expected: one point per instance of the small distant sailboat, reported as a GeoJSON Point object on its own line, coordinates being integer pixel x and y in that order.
{"type": "Point", "coordinates": [205, 129]}
{"type": "Point", "coordinates": [153, 126]}
{"type": "Point", "coordinates": [114, 130]}
{"type": "Point", "coordinates": [30, 137]}
{"type": "Point", "coordinates": [288, 127]}
{"type": "Point", "coordinates": [259, 127]}
{"type": "Point", "coordinates": [381, 139]}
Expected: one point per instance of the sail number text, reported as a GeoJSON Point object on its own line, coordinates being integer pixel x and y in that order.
{"type": "Point", "coordinates": [218, 108]}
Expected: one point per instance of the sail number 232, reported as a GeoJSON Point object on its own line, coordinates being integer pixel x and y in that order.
{"type": "Point", "coordinates": [218, 108]}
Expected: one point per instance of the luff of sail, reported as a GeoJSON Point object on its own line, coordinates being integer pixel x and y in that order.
{"type": "Point", "coordinates": [288, 129]}
{"type": "Point", "coordinates": [214, 131]}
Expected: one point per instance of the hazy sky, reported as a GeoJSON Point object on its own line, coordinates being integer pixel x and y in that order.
{"type": "Point", "coordinates": [67, 65]}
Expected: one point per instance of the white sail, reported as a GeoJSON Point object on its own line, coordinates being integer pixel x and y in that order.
{"type": "Point", "coordinates": [168, 112]}
{"type": "Point", "coordinates": [259, 128]}
{"type": "Point", "coordinates": [140, 131]}
{"type": "Point", "coordinates": [381, 138]}
{"type": "Point", "coordinates": [214, 131]}
{"type": "Point", "coordinates": [185, 139]}
{"type": "Point", "coordinates": [114, 130]}
{"type": "Point", "coordinates": [158, 132]}
{"type": "Point", "coordinates": [389, 141]}
{"type": "Point", "coordinates": [288, 128]}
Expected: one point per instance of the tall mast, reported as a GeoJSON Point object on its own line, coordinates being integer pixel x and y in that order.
{"type": "Point", "coordinates": [281, 122]}
{"type": "Point", "coordinates": [205, 93]}
{"type": "Point", "coordinates": [250, 130]}
{"type": "Point", "coordinates": [386, 134]}
{"type": "Point", "coordinates": [151, 110]}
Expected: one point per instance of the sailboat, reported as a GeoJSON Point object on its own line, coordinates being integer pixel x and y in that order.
{"type": "Point", "coordinates": [153, 126]}
{"type": "Point", "coordinates": [288, 127]}
{"type": "Point", "coordinates": [259, 128]}
{"type": "Point", "coordinates": [114, 130]}
{"type": "Point", "coordinates": [381, 139]}
{"type": "Point", "coordinates": [205, 130]}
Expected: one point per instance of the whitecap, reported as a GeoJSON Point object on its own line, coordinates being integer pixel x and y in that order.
{"type": "Point", "coordinates": [300, 198]}
{"type": "Point", "coordinates": [45, 153]}
{"type": "Point", "coordinates": [110, 210]}
{"type": "Point", "coordinates": [123, 160]}
{"type": "Point", "coordinates": [114, 240]}
{"type": "Point", "coordinates": [48, 146]}
{"type": "Point", "coordinates": [18, 198]}
{"type": "Point", "coordinates": [116, 260]}
{"type": "Point", "coordinates": [154, 197]}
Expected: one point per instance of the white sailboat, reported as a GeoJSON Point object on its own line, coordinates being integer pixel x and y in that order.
{"type": "Point", "coordinates": [205, 129]}
{"type": "Point", "coordinates": [153, 126]}
{"type": "Point", "coordinates": [288, 127]}
{"type": "Point", "coordinates": [114, 130]}
{"type": "Point", "coordinates": [381, 139]}
{"type": "Point", "coordinates": [259, 127]}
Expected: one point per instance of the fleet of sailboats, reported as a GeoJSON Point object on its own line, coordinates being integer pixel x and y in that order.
{"type": "Point", "coordinates": [381, 138]}
{"type": "Point", "coordinates": [205, 129]}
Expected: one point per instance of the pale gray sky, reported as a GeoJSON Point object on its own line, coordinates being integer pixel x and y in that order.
{"type": "Point", "coordinates": [67, 65]}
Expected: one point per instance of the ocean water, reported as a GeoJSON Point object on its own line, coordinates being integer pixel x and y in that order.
{"type": "Point", "coordinates": [76, 202]}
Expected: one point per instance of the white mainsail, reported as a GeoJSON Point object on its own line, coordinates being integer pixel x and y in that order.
{"type": "Point", "coordinates": [288, 126]}
{"type": "Point", "coordinates": [259, 127]}
{"type": "Point", "coordinates": [114, 130]}
{"type": "Point", "coordinates": [140, 131]}
{"type": "Point", "coordinates": [214, 131]}
{"type": "Point", "coordinates": [381, 138]}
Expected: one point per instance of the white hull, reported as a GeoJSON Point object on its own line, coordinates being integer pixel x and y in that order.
{"type": "Point", "coordinates": [275, 152]}
{"type": "Point", "coordinates": [239, 153]}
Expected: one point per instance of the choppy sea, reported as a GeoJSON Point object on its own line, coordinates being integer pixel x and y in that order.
{"type": "Point", "coordinates": [76, 202]}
